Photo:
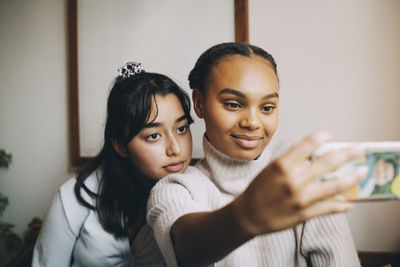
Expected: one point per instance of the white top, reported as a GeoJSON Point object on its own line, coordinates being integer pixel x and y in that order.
{"type": "Point", "coordinates": [213, 183]}
{"type": "Point", "coordinates": [72, 235]}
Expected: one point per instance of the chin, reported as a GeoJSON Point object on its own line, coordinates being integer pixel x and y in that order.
{"type": "Point", "coordinates": [245, 155]}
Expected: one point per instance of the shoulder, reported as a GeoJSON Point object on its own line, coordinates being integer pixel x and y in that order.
{"type": "Point", "coordinates": [74, 211]}
{"type": "Point", "coordinates": [190, 178]}
{"type": "Point", "coordinates": [67, 190]}
{"type": "Point", "coordinates": [191, 181]}
{"type": "Point", "coordinates": [178, 194]}
{"type": "Point", "coordinates": [91, 182]}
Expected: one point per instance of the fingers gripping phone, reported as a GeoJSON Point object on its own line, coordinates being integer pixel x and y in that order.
{"type": "Point", "coordinates": [383, 161]}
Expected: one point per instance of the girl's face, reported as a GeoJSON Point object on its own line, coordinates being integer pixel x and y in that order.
{"type": "Point", "coordinates": [164, 145]}
{"type": "Point", "coordinates": [240, 105]}
{"type": "Point", "coordinates": [384, 172]}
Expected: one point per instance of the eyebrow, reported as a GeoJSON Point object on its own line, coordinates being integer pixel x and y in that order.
{"type": "Point", "coordinates": [241, 95]}
{"type": "Point", "coordinates": [158, 124]}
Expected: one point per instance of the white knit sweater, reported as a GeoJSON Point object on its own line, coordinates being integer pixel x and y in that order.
{"type": "Point", "coordinates": [214, 182]}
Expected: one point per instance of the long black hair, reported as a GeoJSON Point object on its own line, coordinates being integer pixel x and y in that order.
{"type": "Point", "coordinates": [121, 192]}
{"type": "Point", "coordinates": [199, 74]}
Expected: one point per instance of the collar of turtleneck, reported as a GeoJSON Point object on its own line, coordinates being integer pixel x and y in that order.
{"type": "Point", "coordinates": [231, 176]}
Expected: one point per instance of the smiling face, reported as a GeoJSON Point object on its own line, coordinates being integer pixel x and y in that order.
{"type": "Point", "coordinates": [164, 145]}
{"type": "Point", "coordinates": [240, 105]}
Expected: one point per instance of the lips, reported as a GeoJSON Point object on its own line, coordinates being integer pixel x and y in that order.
{"type": "Point", "coordinates": [175, 166]}
{"type": "Point", "coordinates": [247, 141]}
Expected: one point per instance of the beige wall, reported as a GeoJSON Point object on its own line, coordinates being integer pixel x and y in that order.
{"type": "Point", "coordinates": [339, 68]}
{"type": "Point", "coordinates": [338, 61]}
{"type": "Point", "coordinates": [33, 105]}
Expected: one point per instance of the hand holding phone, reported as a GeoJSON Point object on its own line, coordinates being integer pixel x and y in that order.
{"type": "Point", "coordinates": [383, 162]}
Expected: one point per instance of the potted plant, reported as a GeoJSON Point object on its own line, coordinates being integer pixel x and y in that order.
{"type": "Point", "coordinates": [10, 242]}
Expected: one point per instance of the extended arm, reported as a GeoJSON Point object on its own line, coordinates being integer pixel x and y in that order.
{"type": "Point", "coordinates": [281, 196]}
{"type": "Point", "coordinates": [211, 235]}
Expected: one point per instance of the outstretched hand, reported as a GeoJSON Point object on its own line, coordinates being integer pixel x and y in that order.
{"type": "Point", "coordinates": [287, 191]}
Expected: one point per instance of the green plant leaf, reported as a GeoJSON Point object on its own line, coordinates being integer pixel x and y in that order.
{"type": "Point", "coordinates": [3, 204]}
{"type": "Point", "coordinates": [9, 241]}
{"type": "Point", "coordinates": [5, 159]}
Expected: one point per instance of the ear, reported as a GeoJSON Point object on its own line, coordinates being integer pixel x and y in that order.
{"type": "Point", "coordinates": [120, 149]}
{"type": "Point", "coordinates": [198, 103]}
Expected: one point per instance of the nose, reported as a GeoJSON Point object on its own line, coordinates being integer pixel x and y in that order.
{"type": "Point", "coordinates": [173, 147]}
{"type": "Point", "coordinates": [250, 120]}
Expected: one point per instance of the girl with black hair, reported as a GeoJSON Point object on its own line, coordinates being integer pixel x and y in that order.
{"type": "Point", "coordinates": [98, 218]}
{"type": "Point", "coordinates": [250, 202]}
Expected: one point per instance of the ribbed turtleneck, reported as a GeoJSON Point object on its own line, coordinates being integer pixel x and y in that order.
{"type": "Point", "coordinates": [231, 176]}
{"type": "Point", "coordinates": [213, 183]}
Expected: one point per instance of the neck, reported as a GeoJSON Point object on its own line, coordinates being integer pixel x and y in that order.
{"type": "Point", "coordinates": [230, 175]}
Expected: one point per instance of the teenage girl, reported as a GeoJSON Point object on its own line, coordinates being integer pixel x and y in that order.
{"type": "Point", "coordinates": [98, 218]}
{"type": "Point", "coordinates": [246, 203]}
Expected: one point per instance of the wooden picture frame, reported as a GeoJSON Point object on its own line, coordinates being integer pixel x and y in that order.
{"type": "Point", "coordinates": [241, 35]}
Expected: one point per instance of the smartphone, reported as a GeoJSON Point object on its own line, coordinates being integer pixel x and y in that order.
{"type": "Point", "coordinates": [383, 161]}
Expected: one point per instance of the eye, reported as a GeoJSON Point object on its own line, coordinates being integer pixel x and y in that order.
{"type": "Point", "coordinates": [267, 109]}
{"type": "Point", "coordinates": [182, 129]}
{"type": "Point", "coordinates": [153, 137]}
{"type": "Point", "coordinates": [232, 105]}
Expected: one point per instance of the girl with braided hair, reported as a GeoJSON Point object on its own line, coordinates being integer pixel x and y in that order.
{"type": "Point", "coordinates": [249, 202]}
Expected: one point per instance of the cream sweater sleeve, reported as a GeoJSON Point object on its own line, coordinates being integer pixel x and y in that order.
{"type": "Point", "coordinates": [327, 241]}
{"type": "Point", "coordinates": [170, 199]}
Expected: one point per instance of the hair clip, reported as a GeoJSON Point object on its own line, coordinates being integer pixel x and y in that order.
{"type": "Point", "coordinates": [130, 69]}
